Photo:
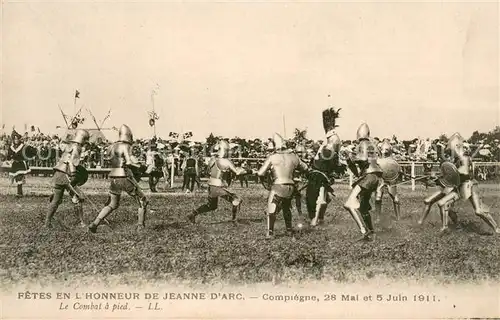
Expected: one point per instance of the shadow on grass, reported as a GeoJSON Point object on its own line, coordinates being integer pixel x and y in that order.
{"type": "Point", "coordinates": [472, 227]}
{"type": "Point", "coordinates": [162, 226]}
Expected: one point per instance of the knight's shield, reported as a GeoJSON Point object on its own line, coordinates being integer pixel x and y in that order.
{"type": "Point", "coordinates": [450, 177]}
{"type": "Point", "coordinates": [81, 175]}
{"type": "Point", "coordinates": [390, 169]}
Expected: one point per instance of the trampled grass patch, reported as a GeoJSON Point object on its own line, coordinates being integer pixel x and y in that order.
{"type": "Point", "coordinates": [215, 250]}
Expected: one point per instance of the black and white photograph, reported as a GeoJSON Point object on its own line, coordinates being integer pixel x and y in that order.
{"type": "Point", "coordinates": [249, 160]}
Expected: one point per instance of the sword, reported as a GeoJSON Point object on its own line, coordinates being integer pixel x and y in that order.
{"type": "Point", "coordinates": [83, 196]}
{"type": "Point", "coordinates": [416, 178]}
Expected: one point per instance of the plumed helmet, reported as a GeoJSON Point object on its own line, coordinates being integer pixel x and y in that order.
{"type": "Point", "coordinates": [330, 117]}
{"type": "Point", "coordinates": [365, 151]}
{"type": "Point", "coordinates": [386, 149]}
{"type": "Point", "coordinates": [223, 149]}
{"type": "Point", "coordinates": [81, 136]}
{"type": "Point", "coordinates": [456, 143]}
{"type": "Point", "coordinates": [363, 132]}
{"type": "Point", "coordinates": [279, 142]}
{"type": "Point", "coordinates": [125, 134]}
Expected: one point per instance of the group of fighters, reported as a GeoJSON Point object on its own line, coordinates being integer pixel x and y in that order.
{"type": "Point", "coordinates": [375, 171]}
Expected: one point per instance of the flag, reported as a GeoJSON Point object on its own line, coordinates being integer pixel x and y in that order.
{"type": "Point", "coordinates": [187, 135]}
{"type": "Point", "coordinates": [173, 135]}
{"type": "Point", "coordinates": [77, 94]}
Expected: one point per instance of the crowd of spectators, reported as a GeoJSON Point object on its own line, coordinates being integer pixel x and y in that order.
{"type": "Point", "coordinates": [174, 151]}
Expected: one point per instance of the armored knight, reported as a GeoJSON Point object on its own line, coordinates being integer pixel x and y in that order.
{"type": "Point", "coordinates": [218, 167]}
{"type": "Point", "coordinates": [456, 182]}
{"type": "Point", "coordinates": [123, 167]}
{"type": "Point", "coordinates": [69, 175]}
{"type": "Point", "coordinates": [323, 166]}
{"type": "Point", "coordinates": [368, 173]}
{"type": "Point", "coordinates": [18, 153]}
{"type": "Point", "coordinates": [391, 171]}
{"type": "Point", "coordinates": [283, 164]}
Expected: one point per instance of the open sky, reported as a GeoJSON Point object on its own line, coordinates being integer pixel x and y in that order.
{"type": "Point", "coordinates": [234, 69]}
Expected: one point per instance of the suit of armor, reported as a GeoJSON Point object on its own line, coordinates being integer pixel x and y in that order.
{"type": "Point", "coordinates": [65, 177]}
{"type": "Point", "coordinates": [217, 186]}
{"type": "Point", "coordinates": [368, 174]}
{"type": "Point", "coordinates": [323, 165]}
{"type": "Point", "coordinates": [466, 189]}
{"type": "Point", "coordinates": [122, 179]}
{"type": "Point", "coordinates": [283, 164]}
{"type": "Point", "coordinates": [389, 186]}
{"type": "Point", "coordinates": [320, 178]}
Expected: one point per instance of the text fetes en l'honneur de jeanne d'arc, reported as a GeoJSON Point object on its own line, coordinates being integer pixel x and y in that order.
{"type": "Point", "coordinates": [223, 296]}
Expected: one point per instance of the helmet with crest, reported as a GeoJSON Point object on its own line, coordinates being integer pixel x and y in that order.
{"type": "Point", "coordinates": [330, 117]}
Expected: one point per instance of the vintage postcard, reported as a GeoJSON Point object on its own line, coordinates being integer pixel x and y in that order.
{"type": "Point", "coordinates": [249, 160]}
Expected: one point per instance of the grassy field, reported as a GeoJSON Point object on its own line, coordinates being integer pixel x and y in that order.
{"type": "Point", "coordinates": [217, 251]}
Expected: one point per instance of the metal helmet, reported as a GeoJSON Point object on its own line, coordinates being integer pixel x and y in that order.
{"type": "Point", "coordinates": [456, 143]}
{"type": "Point", "coordinates": [333, 142]}
{"type": "Point", "coordinates": [366, 151]}
{"type": "Point", "coordinates": [386, 149]}
{"type": "Point", "coordinates": [125, 134]}
{"type": "Point", "coordinates": [223, 149]}
{"type": "Point", "coordinates": [81, 136]}
{"type": "Point", "coordinates": [363, 132]}
{"type": "Point", "coordinates": [279, 142]}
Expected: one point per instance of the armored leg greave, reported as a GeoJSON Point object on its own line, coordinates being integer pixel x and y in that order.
{"type": "Point", "coordinates": [378, 210]}
{"type": "Point", "coordinates": [445, 204]}
{"type": "Point", "coordinates": [352, 205]}
{"type": "Point", "coordinates": [397, 209]}
{"type": "Point", "coordinates": [78, 209]}
{"type": "Point", "coordinates": [236, 208]}
{"type": "Point", "coordinates": [152, 185]}
{"type": "Point", "coordinates": [287, 214]}
{"type": "Point", "coordinates": [55, 201]}
{"type": "Point", "coordinates": [320, 206]}
{"type": "Point", "coordinates": [298, 203]}
{"type": "Point", "coordinates": [211, 205]}
{"type": "Point", "coordinates": [356, 215]}
{"type": "Point", "coordinates": [429, 201]}
{"type": "Point", "coordinates": [311, 205]}
{"type": "Point", "coordinates": [112, 204]}
{"type": "Point", "coordinates": [274, 205]}
{"type": "Point", "coordinates": [141, 212]}
{"type": "Point", "coordinates": [481, 212]}
{"type": "Point", "coordinates": [271, 219]}
{"type": "Point", "coordinates": [396, 205]}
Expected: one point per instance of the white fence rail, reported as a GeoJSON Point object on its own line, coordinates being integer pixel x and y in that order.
{"type": "Point", "coordinates": [413, 169]}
